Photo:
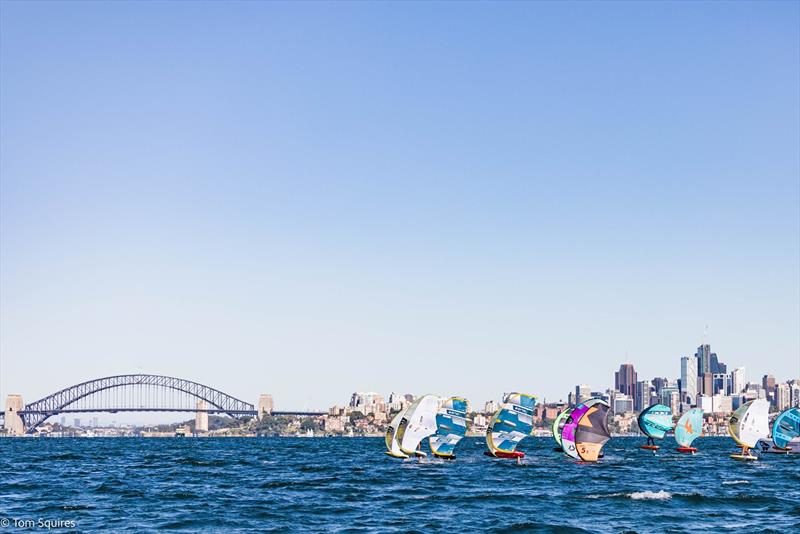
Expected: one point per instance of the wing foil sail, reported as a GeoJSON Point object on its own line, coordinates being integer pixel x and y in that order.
{"type": "Point", "coordinates": [512, 423]}
{"type": "Point", "coordinates": [689, 427]}
{"type": "Point", "coordinates": [655, 421]}
{"type": "Point", "coordinates": [451, 426]}
{"type": "Point", "coordinates": [786, 427]}
{"type": "Point", "coordinates": [592, 431]}
{"type": "Point", "coordinates": [750, 423]}
{"type": "Point", "coordinates": [417, 423]}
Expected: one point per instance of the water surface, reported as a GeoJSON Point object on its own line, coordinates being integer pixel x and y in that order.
{"type": "Point", "coordinates": [349, 485]}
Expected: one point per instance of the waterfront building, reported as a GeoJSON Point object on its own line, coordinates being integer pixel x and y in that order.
{"type": "Point", "coordinates": [490, 407]}
{"type": "Point", "coordinates": [625, 379]}
{"type": "Point", "coordinates": [550, 412]}
{"type": "Point", "coordinates": [396, 402]}
{"type": "Point", "coordinates": [721, 404]}
{"type": "Point", "coordinates": [704, 402]}
{"type": "Point", "coordinates": [367, 403]}
{"type": "Point", "coordinates": [622, 403]}
{"type": "Point", "coordinates": [689, 380]}
{"type": "Point", "coordinates": [332, 424]}
{"type": "Point", "coordinates": [479, 420]}
{"type": "Point", "coordinates": [624, 423]}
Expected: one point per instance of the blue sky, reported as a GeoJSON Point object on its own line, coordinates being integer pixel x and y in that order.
{"type": "Point", "coordinates": [311, 199]}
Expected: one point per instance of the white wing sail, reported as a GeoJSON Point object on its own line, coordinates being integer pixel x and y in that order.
{"type": "Point", "coordinates": [392, 446]}
{"type": "Point", "coordinates": [417, 423]}
{"type": "Point", "coordinates": [750, 423]}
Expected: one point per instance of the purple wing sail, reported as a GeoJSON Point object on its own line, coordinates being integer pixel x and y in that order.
{"type": "Point", "coordinates": [568, 433]}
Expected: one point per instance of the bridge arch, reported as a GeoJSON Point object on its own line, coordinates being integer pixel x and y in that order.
{"type": "Point", "coordinates": [39, 411]}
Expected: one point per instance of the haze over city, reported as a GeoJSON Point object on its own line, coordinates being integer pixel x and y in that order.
{"type": "Point", "coordinates": [311, 202]}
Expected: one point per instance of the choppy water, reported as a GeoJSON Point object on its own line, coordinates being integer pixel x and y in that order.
{"type": "Point", "coordinates": [348, 484]}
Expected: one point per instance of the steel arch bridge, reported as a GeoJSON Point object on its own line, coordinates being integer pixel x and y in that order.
{"type": "Point", "coordinates": [74, 398]}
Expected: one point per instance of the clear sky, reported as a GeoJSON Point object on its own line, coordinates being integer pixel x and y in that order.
{"type": "Point", "coordinates": [460, 198]}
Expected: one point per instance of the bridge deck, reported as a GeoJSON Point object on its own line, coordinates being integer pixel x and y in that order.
{"type": "Point", "coordinates": [190, 410]}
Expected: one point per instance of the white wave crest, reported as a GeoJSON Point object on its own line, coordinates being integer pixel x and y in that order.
{"type": "Point", "coordinates": [732, 482]}
{"type": "Point", "coordinates": [636, 495]}
{"type": "Point", "coordinates": [657, 495]}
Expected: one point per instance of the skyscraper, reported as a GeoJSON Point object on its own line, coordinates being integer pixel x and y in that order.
{"type": "Point", "coordinates": [794, 392]}
{"type": "Point", "coordinates": [625, 379]}
{"type": "Point", "coordinates": [703, 356]}
{"type": "Point", "coordinates": [641, 399]}
{"type": "Point", "coordinates": [768, 385]}
{"type": "Point", "coordinates": [722, 384]}
{"type": "Point", "coordinates": [706, 384]}
{"type": "Point", "coordinates": [783, 397]}
{"type": "Point", "coordinates": [707, 366]}
{"type": "Point", "coordinates": [717, 367]}
{"type": "Point", "coordinates": [737, 380]}
{"type": "Point", "coordinates": [689, 380]}
{"type": "Point", "coordinates": [660, 383]}
{"type": "Point", "coordinates": [582, 393]}
{"type": "Point", "coordinates": [768, 382]}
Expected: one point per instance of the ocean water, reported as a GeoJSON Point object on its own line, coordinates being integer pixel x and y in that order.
{"type": "Point", "coordinates": [349, 485]}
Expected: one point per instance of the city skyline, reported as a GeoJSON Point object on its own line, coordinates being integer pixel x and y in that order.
{"type": "Point", "coordinates": [735, 382]}
{"type": "Point", "coordinates": [314, 199]}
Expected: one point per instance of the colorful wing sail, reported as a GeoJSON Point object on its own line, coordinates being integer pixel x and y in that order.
{"type": "Point", "coordinates": [655, 421]}
{"type": "Point", "coordinates": [568, 432]}
{"type": "Point", "coordinates": [689, 427]}
{"type": "Point", "coordinates": [592, 431]}
{"type": "Point", "coordinates": [417, 423]}
{"type": "Point", "coordinates": [512, 423]}
{"type": "Point", "coordinates": [750, 423]}
{"type": "Point", "coordinates": [392, 445]}
{"type": "Point", "coordinates": [558, 424]}
{"type": "Point", "coordinates": [451, 426]}
{"type": "Point", "coordinates": [786, 427]}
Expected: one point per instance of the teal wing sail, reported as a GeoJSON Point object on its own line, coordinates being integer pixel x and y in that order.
{"type": "Point", "coordinates": [451, 426]}
{"type": "Point", "coordinates": [512, 423]}
{"type": "Point", "coordinates": [689, 427]}
{"type": "Point", "coordinates": [786, 427]}
{"type": "Point", "coordinates": [656, 421]}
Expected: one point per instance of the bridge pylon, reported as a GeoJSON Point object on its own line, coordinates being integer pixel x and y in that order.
{"type": "Point", "coordinates": [201, 419]}
{"type": "Point", "coordinates": [13, 422]}
{"type": "Point", "coordinates": [265, 405]}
